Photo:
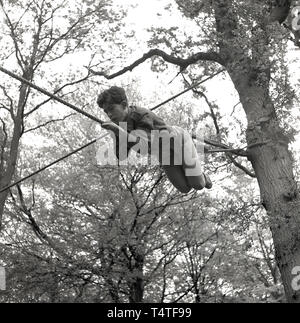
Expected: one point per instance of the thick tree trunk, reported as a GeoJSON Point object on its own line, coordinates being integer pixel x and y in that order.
{"type": "Point", "coordinates": [8, 173]}
{"type": "Point", "coordinates": [272, 161]}
{"type": "Point", "coordinates": [3, 197]}
{"type": "Point", "coordinates": [136, 279]}
{"type": "Point", "coordinates": [273, 165]}
{"type": "Point", "coordinates": [113, 291]}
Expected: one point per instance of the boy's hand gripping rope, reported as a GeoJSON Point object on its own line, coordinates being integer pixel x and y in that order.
{"type": "Point", "coordinates": [58, 99]}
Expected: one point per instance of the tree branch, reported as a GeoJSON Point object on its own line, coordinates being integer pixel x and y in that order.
{"type": "Point", "coordinates": [183, 63]}
{"type": "Point", "coordinates": [36, 228]}
{"type": "Point", "coordinates": [240, 166]}
{"type": "Point", "coordinates": [210, 105]}
{"type": "Point", "coordinates": [14, 37]}
{"type": "Point", "coordinates": [49, 122]}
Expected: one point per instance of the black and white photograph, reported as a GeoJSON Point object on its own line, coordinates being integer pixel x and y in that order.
{"type": "Point", "coordinates": [149, 154]}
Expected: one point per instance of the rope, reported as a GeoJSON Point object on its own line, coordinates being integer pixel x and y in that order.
{"type": "Point", "coordinates": [52, 96]}
{"type": "Point", "coordinates": [53, 163]}
{"type": "Point", "coordinates": [187, 89]}
{"type": "Point", "coordinates": [58, 99]}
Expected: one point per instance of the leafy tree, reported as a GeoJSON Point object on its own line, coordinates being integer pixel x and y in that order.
{"type": "Point", "coordinates": [36, 34]}
{"type": "Point", "coordinates": [247, 38]}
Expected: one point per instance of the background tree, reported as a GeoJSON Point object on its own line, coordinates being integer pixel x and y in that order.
{"type": "Point", "coordinates": [36, 34]}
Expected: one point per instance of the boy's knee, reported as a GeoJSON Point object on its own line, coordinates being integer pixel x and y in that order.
{"type": "Point", "coordinates": [198, 187]}
{"type": "Point", "coordinates": [184, 189]}
{"type": "Point", "coordinates": [197, 182]}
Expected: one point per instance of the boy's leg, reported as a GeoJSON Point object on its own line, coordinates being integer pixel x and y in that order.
{"type": "Point", "coordinates": [196, 182]}
{"type": "Point", "coordinates": [177, 177]}
{"type": "Point", "coordinates": [192, 166]}
{"type": "Point", "coordinates": [199, 182]}
{"type": "Point", "coordinates": [208, 182]}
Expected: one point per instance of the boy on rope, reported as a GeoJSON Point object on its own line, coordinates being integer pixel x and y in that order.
{"type": "Point", "coordinates": [183, 168]}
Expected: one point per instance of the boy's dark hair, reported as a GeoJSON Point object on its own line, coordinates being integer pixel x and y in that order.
{"type": "Point", "coordinates": [112, 95]}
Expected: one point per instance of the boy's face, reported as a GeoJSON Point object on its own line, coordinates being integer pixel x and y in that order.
{"type": "Point", "coordinates": [116, 112]}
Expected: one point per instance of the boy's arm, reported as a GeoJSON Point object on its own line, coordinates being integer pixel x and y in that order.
{"type": "Point", "coordinates": [145, 123]}
{"type": "Point", "coordinates": [150, 121]}
{"type": "Point", "coordinates": [116, 132]}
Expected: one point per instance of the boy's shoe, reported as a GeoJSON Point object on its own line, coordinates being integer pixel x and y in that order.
{"type": "Point", "coordinates": [208, 182]}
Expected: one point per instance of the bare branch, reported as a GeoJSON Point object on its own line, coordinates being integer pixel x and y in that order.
{"type": "Point", "coordinates": [210, 105]}
{"type": "Point", "coordinates": [36, 228]}
{"type": "Point", "coordinates": [64, 36]}
{"type": "Point", "coordinates": [2, 106]}
{"type": "Point", "coordinates": [240, 166]}
{"type": "Point", "coordinates": [49, 122]}
{"type": "Point", "coordinates": [225, 148]}
{"type": "Point", "coordinates": [23, 14]}
{"type": "Point", "coordinates": [183, 63]}
{"type": "Point", "coordinates": [11, 103]}
{"type": "Point", "coordinates": [55, 92]}
{"type": "Point", "coordinates": [12, 28]}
